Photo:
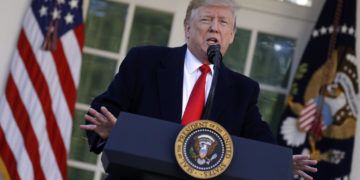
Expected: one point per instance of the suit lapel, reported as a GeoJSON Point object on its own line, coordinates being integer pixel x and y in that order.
{"type": "Point", "coordinates": [222, 95]}
{"type": "Point", "coordinates": [170, 83]}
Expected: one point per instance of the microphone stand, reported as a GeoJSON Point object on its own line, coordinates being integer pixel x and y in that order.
{"type": "Point", "coordinates": [214, 56]}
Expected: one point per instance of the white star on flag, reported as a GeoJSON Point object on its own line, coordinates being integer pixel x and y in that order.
{"type": "Point", "coordinates": [74, 4]}
{"type": "Point", "coordinates": [43, 11]}
{"type": "Point", "coordinates": [56, 14]}
{"type": "Point", "coordinates": [69, 18]}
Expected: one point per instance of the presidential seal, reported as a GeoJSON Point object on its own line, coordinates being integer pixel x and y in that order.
{"type": "Point", "coordinates": [203, 149]}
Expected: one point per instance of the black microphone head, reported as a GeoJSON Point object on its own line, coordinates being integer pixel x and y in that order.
{"type": "Point", "coordinates": [213, 52]}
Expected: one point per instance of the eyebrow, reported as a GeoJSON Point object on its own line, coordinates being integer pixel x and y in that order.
{"type": "Point", "coordinates": [210, 16]}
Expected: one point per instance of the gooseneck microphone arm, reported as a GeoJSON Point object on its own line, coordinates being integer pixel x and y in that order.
{"type": "Point", "coordinates": [214, 56]}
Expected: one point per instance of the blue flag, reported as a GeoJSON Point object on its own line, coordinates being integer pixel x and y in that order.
{"type": "Point", "coordinates": [322, 106]}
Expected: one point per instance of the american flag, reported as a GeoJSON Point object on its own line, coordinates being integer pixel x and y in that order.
{"type": "Point", "coordinates": [309, 117]}
{"type": "Point", "coordinates": [38, 102]}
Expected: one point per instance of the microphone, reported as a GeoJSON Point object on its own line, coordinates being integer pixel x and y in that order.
{"type": "Point", "coordinates": [214, 57]}
{"type": "Point", "coordinates": [214, 54]}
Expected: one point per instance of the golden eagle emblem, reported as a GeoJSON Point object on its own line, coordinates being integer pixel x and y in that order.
{"type": "Point", "coordinates": [203, 149]}
{"type": "Point", "coordinates": [204, 146]}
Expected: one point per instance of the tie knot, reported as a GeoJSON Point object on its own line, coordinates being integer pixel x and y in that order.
{"type": "Point", "coordinates": [204, 69]}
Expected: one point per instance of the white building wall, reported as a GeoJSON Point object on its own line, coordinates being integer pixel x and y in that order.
{"type": "Point", "coordinates": [11, 15]}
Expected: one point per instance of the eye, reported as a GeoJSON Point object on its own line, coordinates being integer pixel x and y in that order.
{"type": "Point", "coordinates": [224, 22]}
{"type": "Point", "coordinates": [205, 20]}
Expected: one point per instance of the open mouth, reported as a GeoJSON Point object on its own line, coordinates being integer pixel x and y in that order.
{"type": "Point", "coordinates": [212, 41]}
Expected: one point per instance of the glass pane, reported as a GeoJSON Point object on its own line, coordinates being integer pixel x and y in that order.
{"type": "Point", "coordinates": [105, 25]}
{"type": "Point", "coordinates": [96, 75]}
{"type": "Point", "coordinates": [76, 174]}
{"type": "Point", "coordinates": [235, 57]}
{"type": "Point", "coordinates": [272, 59]}
{"type": "Point", "coordinates": [79, 149]}
{"type": "Point", "coordinates": [150, 27]}
{"type": "Point", "coordinates": [271, 106]}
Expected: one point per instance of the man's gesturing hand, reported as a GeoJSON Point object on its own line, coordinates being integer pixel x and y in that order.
{"type": "Point", "coordinates": [101, 123]}
{"type": "Point", "coordinates": [302, 164]}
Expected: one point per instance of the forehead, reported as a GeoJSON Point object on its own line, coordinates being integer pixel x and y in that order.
{"type": "Point", "coordinates": [215, 10]}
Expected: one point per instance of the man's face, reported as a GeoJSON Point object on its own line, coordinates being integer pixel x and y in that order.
{"type": "Point", "coordinates": [209, 25]}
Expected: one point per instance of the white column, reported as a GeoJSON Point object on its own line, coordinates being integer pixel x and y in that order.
{"type": "Point", "coordinates": [355, 173]}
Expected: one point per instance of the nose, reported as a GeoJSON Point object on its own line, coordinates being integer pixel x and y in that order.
{"type": "Point", "coordinates": [214, 26]}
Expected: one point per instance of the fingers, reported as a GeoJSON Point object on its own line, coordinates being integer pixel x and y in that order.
{"type": "Point", "coordinates": [297, 157]}
{"type": "Point", "coordinates": [109, 116]}
{"type": "Point", "coordinates": [100, 119]}
{"type": "Point", "coordinates": [302, 164]}
{"type": "Point", "coordinates": [98, 116]}
{"type": "Point", "coordinates": [90, 127]}
{"type": "Point", "coordinates": [101, 122]}
{"type": "Point", "coordinates": [300, 160]}
{"type": "Point", "coordinates": [309, 168]}
{"type": "Point", "coordinates": [303, 174]}
{"type": "Point", "coordinates": [305, 168]}
{"type": "Point", "coordinates": [91, 119]}
{"type": "Point", "coordinates": [305, 162]}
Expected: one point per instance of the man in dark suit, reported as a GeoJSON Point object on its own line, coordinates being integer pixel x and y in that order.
{"type": "Point", "coordinates": [158, 82]}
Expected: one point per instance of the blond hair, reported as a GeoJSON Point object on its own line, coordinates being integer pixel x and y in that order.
{"type": "Point", "coordinates": [194, 4]}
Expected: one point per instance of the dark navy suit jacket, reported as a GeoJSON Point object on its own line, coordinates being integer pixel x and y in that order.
{"type": "Point", "coordinates": [150, 80]}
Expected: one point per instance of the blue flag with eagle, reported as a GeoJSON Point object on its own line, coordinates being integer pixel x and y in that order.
{"type": "Point", "coordinates": [322, 106]}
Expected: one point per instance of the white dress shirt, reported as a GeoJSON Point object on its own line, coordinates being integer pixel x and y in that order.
{"type": "Point", "coordinates": [191, 74]}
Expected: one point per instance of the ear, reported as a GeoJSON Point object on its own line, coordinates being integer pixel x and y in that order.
{"type": "Point", "coordinates": [187, 30]}
{"type": "Point", "coordinates": [232, 36]}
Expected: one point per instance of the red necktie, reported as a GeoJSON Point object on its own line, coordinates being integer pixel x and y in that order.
{"type": "Point", "coordinates": [195, 105]}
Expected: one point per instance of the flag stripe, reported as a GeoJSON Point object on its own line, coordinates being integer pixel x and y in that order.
{"type": "Point", "coordinates": [79, 34]}
{"type": "Point", "coordinates": [307, 122]}
{"type": "Point", "coordinates": [72, 52]}
{"type": "Point", "coordinates": [308, 127]}
{"type": "Point", "coordinates": [304, 117]}
{"type": "Point", "coordinates": [15, 141]}
{"type": "Point", "coordinates": [308, 108]}
{"type": "Point", "coordinates": [23, 122]}
{"type": "Point", "coordinates": [64, 74]}
{"type": "Point", "coordinates": [47, 65]}
{"type": "Point", "coordinates": [37, 118]}
{"type": "Point", "coordinates": [8, 157]}
{"type": "Point", "coordinates": [42, 91]}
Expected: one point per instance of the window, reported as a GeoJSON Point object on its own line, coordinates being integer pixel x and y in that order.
{"type": "Point", "coordinates": [150, 27]}
{"type": "Point", "coordinates": [276, 52]}
{"type": "Point", "coordinates": [271, 67]}
{"type": "Point", "coordinates": [97, 73]}
{"type": "Point", "coordinates": [106, 25]}
{"type": "Point", "coordinates": [235, 57]}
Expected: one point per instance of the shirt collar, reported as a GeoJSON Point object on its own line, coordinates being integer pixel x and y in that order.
{"type": "Point", "coordinates": [192, 63]}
